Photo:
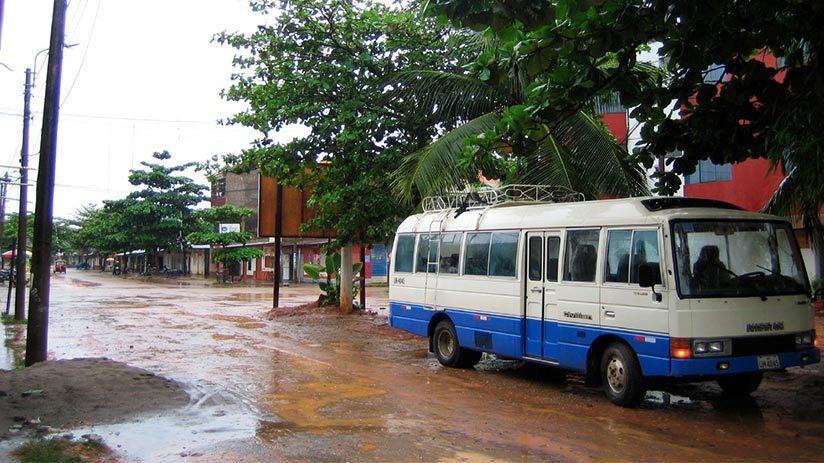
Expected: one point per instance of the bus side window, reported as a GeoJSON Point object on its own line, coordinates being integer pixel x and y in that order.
{"type": "Point", "coordinates": [450, 253]}
{"type": "Point", "coordinates": [644, 250]}
{"type": "Point", "coordinates": [581, 255]}
{"type": "Point", "coordinates": [405, 253]}
{"type": "Point", "coordinates": [553, 248]}
{"type": "Point", "coordinates": [504, 252]}
{"type": "Point", "coordinates": [477, 253]}
{"type": "Point", "coordinates": [425, 249]}
{"type": "Point", "coordinates": [535, 256]}
{"type": "Point", "coordinates": [618, 246]}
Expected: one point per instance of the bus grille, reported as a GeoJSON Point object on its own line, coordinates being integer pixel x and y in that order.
{"type": "Point", "coordinates": [763, 345]}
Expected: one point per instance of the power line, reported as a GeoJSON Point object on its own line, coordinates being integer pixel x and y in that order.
{"type": "Point", "coordinates": [116, 118]}
{"type": "Point", "coordinates": [85, 52]}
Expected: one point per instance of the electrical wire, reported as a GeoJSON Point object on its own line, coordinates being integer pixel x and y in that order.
{"type": "Point", "coordinates": [85, 52]}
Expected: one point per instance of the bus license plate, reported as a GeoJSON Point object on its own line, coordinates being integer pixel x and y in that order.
{"type": "Point", "coordinates": [768, 362]}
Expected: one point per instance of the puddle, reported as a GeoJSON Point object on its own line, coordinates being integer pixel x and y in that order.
{"type": "Point", "coordinates": [13, 347]}
{"type": "Point", "coordinates": [214, 417]}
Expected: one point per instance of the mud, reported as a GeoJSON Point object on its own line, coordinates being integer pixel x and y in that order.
{"type": "Point", "coordinates": [311, 385]}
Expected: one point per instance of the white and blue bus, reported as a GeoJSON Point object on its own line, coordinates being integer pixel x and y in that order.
{"type": "Point", "coordinates": [627, 291]}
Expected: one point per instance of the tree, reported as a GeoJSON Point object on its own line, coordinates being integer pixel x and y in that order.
{"type": "Point", "coordinates": [207, 233]}
{"type": "Point", "coordinates": [325, 65]}
{"type": "Point", "coordinates": [577, 152]}
{"type": "Point", "coordinates": [749, 110]}
{"type": "Point", "coordinates": [10, 229]}
{"type": "Point", "coordinates": [160, 215]}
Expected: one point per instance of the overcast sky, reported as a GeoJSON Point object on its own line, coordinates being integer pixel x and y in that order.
{"type": "Point", "coordinates": [143, 77]}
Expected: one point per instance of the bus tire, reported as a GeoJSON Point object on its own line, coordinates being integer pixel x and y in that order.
{"type": "Point", "coordinates": [740, 385]}
{"type": "Point", "coordinates": [448, 350]}
{"type": "Point", "coordinates": [621, 375]}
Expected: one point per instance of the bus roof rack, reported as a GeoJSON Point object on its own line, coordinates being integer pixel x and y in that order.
{"type": "Point", "coordinates": [491, 196]}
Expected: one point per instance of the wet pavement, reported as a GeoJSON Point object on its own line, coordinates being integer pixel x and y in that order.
{"type": "Point", "coordinates": [315, 386]}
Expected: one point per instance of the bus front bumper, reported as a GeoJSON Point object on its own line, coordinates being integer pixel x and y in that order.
{"type": "Point", "coordinates": [715, 366]}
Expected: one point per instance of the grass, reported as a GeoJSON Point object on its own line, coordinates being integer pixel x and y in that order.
{"type": "Point", "coordinates": [60, 451]}
{"type": "Point", "coordinates": [9, 320]}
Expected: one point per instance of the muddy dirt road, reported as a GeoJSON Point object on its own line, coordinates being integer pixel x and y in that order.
{"type": "Point", "coordinates": [314, 386]}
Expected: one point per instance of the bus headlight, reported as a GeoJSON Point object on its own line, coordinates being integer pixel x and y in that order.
{"type": "Point", "coordinates": [805, 340]}
{"type": "Point", "coordinates": [711, 347]}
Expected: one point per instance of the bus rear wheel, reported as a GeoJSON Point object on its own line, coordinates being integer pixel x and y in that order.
{"type": "Point", "coordinates": [740, 385]}
{"type": "Point", "coordinates": [621, 375]}
{"type": "Point", "coordinates": [449, 352]}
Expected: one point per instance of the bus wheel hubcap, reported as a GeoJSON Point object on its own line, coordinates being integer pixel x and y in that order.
{"type": "Point", "coordinates": [446, 344]}
{"type": "Point", "coordinates": [615, 374]}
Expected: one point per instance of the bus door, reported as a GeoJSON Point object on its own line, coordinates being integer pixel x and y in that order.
{"type": "Point", "coordinates": [540, 335]}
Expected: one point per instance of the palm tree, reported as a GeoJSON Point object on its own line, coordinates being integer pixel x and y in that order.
{"type": "Point", "coordinates": [576, 151]}
{"type": "Point", "coordinates": [795, 198]}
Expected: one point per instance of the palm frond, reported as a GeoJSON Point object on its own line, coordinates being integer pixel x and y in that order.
{"type": "Point", "coordinates": [446, 96]}
{"type": "Point", "coordinates": [436, 168]}
{"type": "Point", "coordinates": [580, 153]}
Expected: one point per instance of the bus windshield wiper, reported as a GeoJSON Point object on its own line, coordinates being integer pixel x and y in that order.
{"type": "Point", "coordinates": [798, 286]}
{"type": "Point", "coordinates": [743, 280]}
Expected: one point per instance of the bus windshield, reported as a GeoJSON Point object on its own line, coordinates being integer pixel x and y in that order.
{"type": "Point", "coordinates": [737, 259]}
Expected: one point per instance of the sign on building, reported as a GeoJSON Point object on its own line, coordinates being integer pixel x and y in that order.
{"type": "Point", "coordinates": [229, 228]}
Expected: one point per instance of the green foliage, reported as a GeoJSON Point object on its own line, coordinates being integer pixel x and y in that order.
{"type": "Point", "coordinates": [10, 229]}
{"type": "Point", "coordinates": [207, 234]}
{"type": "Point", "coordinates": [10, 320]}
{"type": "Point", "coordinates": [160, 214]}
{"type": "Point", "coordinates": [575, 50]}
{"type": "Point", "coordinates": [331, 289]}
{"type": "Point", "coordinates": [58, 451]}
{"type": "Point", "coordinates": [325, 64]}
{"type": "Point", "coordinates": [228, 256]}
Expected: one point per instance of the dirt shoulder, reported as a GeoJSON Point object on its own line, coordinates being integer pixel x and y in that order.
{"type": "Point", "coordinates": [66, 393]}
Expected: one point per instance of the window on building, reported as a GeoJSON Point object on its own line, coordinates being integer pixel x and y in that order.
{"type": "Point", "coordinates": [706, 172]}
{"type": "Point", "coordinates": [607, 104]}
{"type": "Point", "coordinates": [219, 188]}
{"type": "Point", "coordinates": [714, 74]}
{"type": "Point", "coordinates": [404, 253]}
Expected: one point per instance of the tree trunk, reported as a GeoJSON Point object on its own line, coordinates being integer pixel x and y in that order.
{"type": "Point", "coordinates": [817, 244]}
{"type": "Point", "coordinates": [345, 279]}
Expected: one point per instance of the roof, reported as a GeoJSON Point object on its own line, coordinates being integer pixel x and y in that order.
{"type": "Point", "coordinates": [626, 211]}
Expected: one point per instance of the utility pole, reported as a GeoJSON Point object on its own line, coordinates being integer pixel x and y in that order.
{"type": "Point", "coordinates": [3, 186]}
{"type": "Point", "coordinates": [38, 326]}
{"type": "Point", "coordinates": [22, 217]}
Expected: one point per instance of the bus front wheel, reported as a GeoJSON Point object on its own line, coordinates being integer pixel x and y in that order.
{"type": "Point", "coordinates": [449, 352]}
{"type": "Point", "coordinates": [621, 375]}
{"type": "Point", "coordinates": [740, 385]}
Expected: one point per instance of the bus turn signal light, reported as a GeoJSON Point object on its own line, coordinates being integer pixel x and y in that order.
{"type": "Point", "coordinates": [680, 348]}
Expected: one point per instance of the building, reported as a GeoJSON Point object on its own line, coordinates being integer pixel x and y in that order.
{"type": "Point", "coordinates": [243, 190]}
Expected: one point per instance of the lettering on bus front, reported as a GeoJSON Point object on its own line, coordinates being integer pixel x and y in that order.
{"type": "Point", "coordinates": [766, 326]}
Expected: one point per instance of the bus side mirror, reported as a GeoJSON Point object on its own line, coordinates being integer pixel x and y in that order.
{"type": "Point", "coordinates": [649, 275]}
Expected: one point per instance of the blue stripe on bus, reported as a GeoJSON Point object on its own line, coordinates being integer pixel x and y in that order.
{"type": "Point", "coordinates": [502, 335]}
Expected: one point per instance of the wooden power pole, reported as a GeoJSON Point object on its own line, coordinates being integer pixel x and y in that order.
{"type": "Point", "coordinates": [37, 334]}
